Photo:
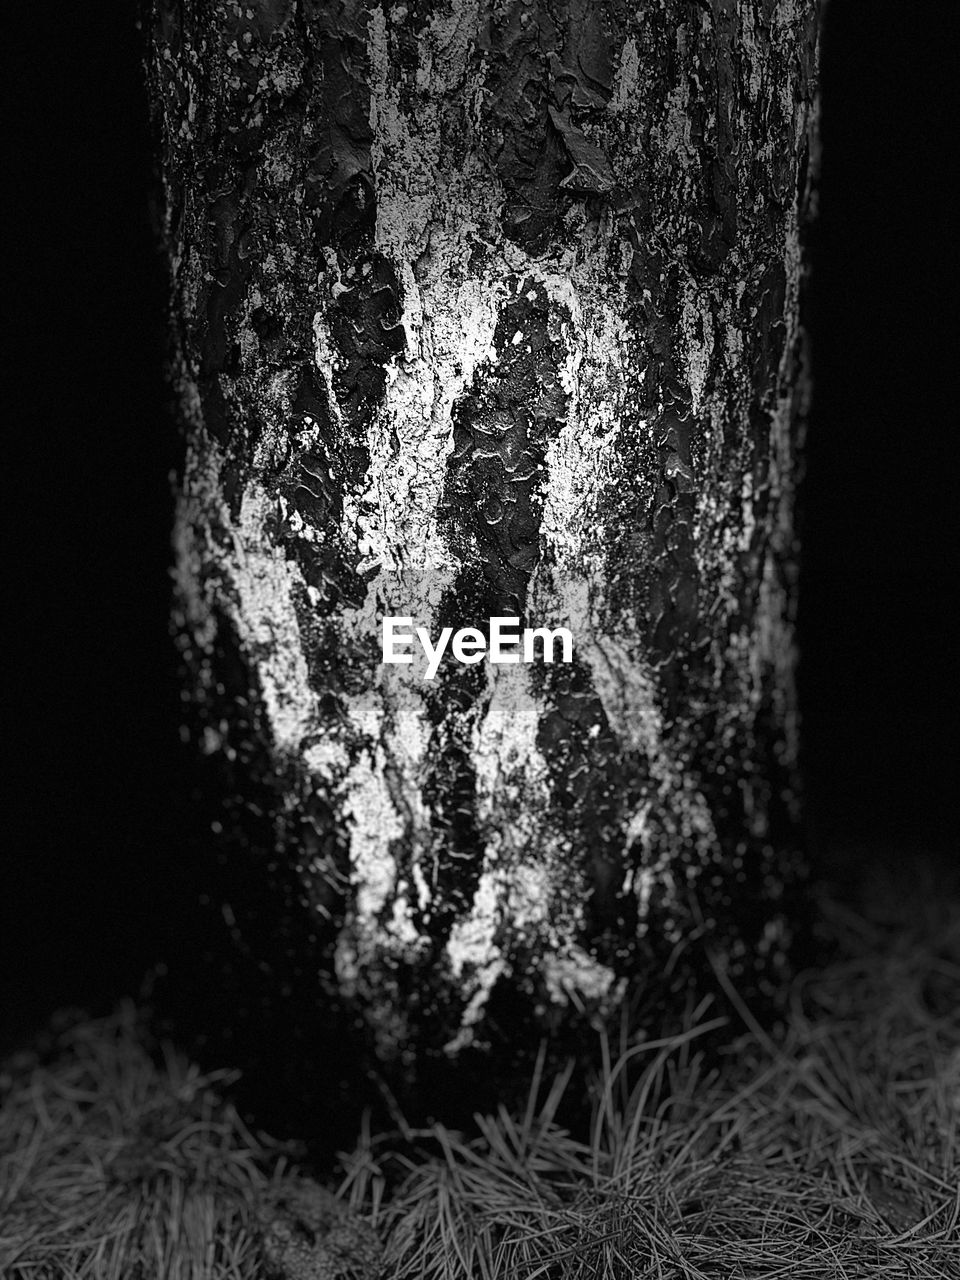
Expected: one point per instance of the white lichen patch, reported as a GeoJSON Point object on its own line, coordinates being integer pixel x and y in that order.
{"type": "Point", "coordinates": [626, 85]}
{"type": "Point", "coordinates": [698, 337]}
{"type": "Point", "coordinates": [375, 823]}
{"type": "Point", "coordinates": [326, 759]}
{"type": "Point", "coordinates": [580, 979]}
{"type": "Point", "coordinates": [267, 623]}
{"type": "Point", "coordinates": [522, 888]}
{"type": "Point", "coordinates": [260, 597]}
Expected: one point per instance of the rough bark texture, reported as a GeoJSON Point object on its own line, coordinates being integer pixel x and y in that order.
{"type": "Point", "coordinates": [488, 308]}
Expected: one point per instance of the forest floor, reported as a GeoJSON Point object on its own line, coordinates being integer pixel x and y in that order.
{"type": "Point", "coordinates": [830, 1148]}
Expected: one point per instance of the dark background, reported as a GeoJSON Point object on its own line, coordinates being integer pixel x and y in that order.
{"type": "Point", "coordinates": [96, 815]}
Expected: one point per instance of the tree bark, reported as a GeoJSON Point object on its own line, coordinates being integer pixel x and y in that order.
{"type": "Point", "coordinates": [479, 309]}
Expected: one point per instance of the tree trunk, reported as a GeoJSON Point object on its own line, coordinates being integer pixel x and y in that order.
{"type": "Point", "coordinates": [491, 309]}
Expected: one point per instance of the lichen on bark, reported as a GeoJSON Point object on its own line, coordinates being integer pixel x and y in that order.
{"type": "Point", "coordinates": [487, 308]}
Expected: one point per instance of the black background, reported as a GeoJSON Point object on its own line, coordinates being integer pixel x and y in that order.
{"type": "Point", "coordinates": [95, 815]}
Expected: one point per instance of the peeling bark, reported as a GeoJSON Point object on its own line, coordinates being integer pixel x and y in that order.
{"type": "Point", "coordinates": [491, 308]}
